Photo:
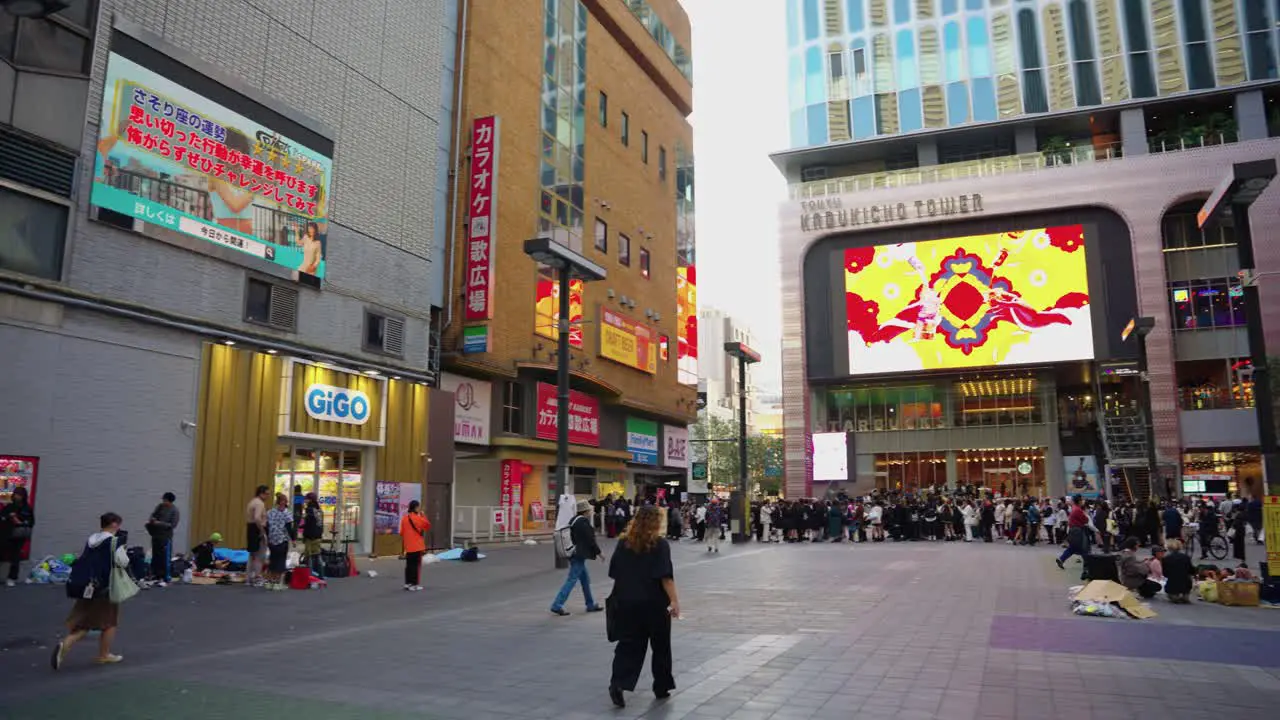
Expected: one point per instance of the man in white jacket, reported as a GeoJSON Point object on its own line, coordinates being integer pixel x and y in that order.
{"type": "Point", "coordinates": [970, 515]}
{"type": "Point", "coordinates": [766, 522]}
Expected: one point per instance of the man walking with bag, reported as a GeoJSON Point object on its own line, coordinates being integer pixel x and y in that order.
{"type": "Point", "coordinates": [579, 547]}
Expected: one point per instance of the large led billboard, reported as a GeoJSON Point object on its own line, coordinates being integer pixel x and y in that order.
{"type": "Point", "coordinates": [1009, 298]}
{"type": "Point", "coordinates": [169, 157]}
{"type": "Point", "coordinates": [830, 456]}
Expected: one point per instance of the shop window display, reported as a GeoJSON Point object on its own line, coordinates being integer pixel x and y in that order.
{"type": "Point", "coordinates": [336, 478]}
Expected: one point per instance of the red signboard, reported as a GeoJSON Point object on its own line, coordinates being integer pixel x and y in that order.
{"type": "Point", "coordinates": [584, 416]}
{"type": "Point", "coordinates": [480, 231]}
{"type": "Point", "coordinates": [512, 487]}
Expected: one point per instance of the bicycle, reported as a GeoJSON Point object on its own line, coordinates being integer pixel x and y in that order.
{"type": "Point", "coordinates": [1219, 546]}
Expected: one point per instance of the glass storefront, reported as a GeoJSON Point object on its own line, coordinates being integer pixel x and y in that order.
{"type": "Point", "coordinates": [335, 476]}
{"type": "Point", "coordinates": [1217, 473]}
{"type": "Point", "coordinates": [1009, 471]}
{"type": "Point", "coordinates": [990, 401]}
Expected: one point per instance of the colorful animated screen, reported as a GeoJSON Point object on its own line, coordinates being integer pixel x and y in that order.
{"type": "Point", "coordinates": [1002, 299]}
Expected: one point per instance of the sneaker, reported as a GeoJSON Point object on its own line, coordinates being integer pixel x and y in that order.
{"type": "Point", "coordinates": [615, 694]}
{"type": "Point", "coordinates": [108, 659]}
{"type": "Point", "coordinates": [59, 654]}
{"type": "Point", "coordinates": [408, 588]}
{"type": "Point", "coordinates": [417, 588]}
{"type": "Point", "coordinates": [162, 583]}
{"type": "Point", "coordinates": [595, 608]}
{"type": "Point", "coordinates": [1060, 565]}
{"type": "Point", "coordinates": [561, 612]}
{"type": "Point", "coordinates": [10, 583]}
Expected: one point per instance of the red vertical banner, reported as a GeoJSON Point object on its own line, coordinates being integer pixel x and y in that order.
{"type": "Point", "coordinates": [512, 487]}
{"type": "Point", "coordinates": [478, 279]}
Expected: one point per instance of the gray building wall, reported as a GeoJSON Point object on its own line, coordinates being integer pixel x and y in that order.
{"type": "Point", "coordinates": [368, 70]}
{"type": "Point", "coordinates": [101, 403]}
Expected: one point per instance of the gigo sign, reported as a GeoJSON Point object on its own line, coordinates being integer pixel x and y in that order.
{"type": "Point", "coordinates": [337, 404]}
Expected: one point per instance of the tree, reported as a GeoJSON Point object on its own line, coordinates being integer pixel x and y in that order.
{"type": "Point", "coordinates": [718, 440]}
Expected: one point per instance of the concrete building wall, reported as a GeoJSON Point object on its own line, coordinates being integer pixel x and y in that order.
{"type": "Point", "coordinates": [101, 403]}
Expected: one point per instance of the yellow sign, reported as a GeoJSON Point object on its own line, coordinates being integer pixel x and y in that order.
{"type": "Point", "coordinates": [628, 343]}
{"type": "Point", "coordinates": [1271, 521]}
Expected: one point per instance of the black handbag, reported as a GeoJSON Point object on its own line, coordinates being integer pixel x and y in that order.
{"type": "Point", "coordinates": [611, 618]}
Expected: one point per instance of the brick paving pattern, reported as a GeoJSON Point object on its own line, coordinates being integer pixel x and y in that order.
{"type": "Point", "coordinates": [909, 630]}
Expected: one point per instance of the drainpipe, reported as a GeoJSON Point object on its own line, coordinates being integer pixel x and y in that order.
{"type": "Point", "coordinates": [455, 164]}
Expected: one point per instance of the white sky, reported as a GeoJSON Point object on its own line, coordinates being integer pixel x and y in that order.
{"type": "Point", "coordinates": [740, 116]}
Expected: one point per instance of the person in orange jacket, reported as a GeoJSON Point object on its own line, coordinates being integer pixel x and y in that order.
{"type": "Point", "coordinates": [414, 527]}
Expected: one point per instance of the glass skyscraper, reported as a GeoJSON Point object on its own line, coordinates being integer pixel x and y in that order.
{"type": "Point", "coordinates": [859, 69]}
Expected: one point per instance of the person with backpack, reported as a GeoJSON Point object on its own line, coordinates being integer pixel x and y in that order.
{"type": "Point", "coordinates": [312, 533]}
{"type": "Point", "coordinates": [90, 585]}
{"type": "Point", "coordinates": [161, 525]}
{"type": "Point", "coordinates": [16, 521]}
{"type": "Point", "coordinates": [414, 527]}
{"type": "Point", "coordinates": [578, 544]}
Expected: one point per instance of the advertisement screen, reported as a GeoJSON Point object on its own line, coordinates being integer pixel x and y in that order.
{"type": "Point", "coordinates": [170, 158]}
{"type": "Point", "coordinates": [627, 342]}
{"type": "Point", "coordinates": [1082, 475]}
{"type": "Point", "coordinates": [548, 309]}
{"type": "Point", "coordinates": [687, 324]}
{"type": "Point", "coordinates": [830, 456]}
{"type": "Point", "coordinates": [984, 300]}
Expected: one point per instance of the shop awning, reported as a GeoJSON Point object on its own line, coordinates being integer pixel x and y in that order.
{"type": "Point", "coordinates": [542, 452]}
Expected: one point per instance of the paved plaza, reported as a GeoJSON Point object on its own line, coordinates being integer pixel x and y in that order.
{"type": "Point", "coordinates": [912, 630]}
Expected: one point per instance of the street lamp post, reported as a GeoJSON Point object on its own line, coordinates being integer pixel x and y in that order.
{"type": "Point", "coordinates": [569, 265]}
{"type": "Point", "coordinates": [745, 356]}
{"type": "Point", "coordinates": [1229, 206]}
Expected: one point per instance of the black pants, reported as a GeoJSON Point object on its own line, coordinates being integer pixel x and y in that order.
{"type": "Point", "coordinates": [11, 551]}
{"type": "Point", "coordinates": [640, 627]}
{"type": "Point", "coordinates": [985, 530]}
{"type": "Point", "coordinates": [161, 548]}
{"type": "Point", "coordinates": [412, 568]}
{"type": "Point", "coordinates": [702, 530]}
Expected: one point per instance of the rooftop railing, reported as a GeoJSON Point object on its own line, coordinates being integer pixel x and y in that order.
{"type": "Point", "coordinates": [983, 167]}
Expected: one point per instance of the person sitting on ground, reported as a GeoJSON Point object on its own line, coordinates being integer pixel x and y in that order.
{"type": "Point", "coordinates": [204, 554]}
{"type": "Point", "coordinates": [1178, 572]}
{"type": "Point", "coordinates": [1134, 571]}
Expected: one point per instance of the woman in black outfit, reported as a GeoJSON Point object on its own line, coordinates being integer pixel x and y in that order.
{"type": "Point", "coordinates": [643, 602]}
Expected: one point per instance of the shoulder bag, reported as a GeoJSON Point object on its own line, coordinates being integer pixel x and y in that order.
{"type": "Point", "coordinates": [122, 585]}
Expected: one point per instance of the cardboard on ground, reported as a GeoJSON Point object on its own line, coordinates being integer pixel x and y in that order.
{"type": "Point", "coordinates": [1109, 591]}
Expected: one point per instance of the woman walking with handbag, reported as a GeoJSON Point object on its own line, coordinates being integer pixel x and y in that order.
{"type": "Point", "coordinates": [99, 583]}
{"type": "Point", "coordinates": [641, 607]}
{"type": "Point", "coordinates": [16, 521]}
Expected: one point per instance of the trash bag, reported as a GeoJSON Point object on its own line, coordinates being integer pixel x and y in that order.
{"type": "Point", "coordinates": [1094, 609]}
{"type": "Point", "coordinates": [292, 560]}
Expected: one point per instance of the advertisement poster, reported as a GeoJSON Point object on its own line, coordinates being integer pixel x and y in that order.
{"type": "Point", "coordinates": [830, 456]}
{"type": "Point", "coordinates": [1271, 521]}
{"type": "Point", "coordinates": [17, 471]}
{"type": "Point", "coordinates": [628, 343]}
{"type": "Point", "coordinates": [985, 300]}
{"type": "Point", "coordinates": [584, 416]}
{"type": "Point", "coordinates": [1081, 473]}
{"type": "Point", "coordinates": [472, 400]}
{"type": "Point", "coordinates": [173, 159]}
{"type": "Point", "coordinates": [642, 441]}
{"type": "Point", "coordinates": [675, 444]}
{"type": "Point", "coordinates": [687, 324]}
{"type": "Point", "coordinates": [483, 213]}
{"type": "Point", "coordinates": [548, 309]}
{"type": "Point", "coordinates": [386, 518]}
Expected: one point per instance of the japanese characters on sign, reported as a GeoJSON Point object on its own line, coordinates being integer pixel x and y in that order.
{"type": "Point", "coordinates": [584, 416]}
{"type": "Point", "coordinates": [174, 159]}
{"type": "Point", "coordinates": [675, 442]}
{"type": "Point", "coordinates": [478, 281]}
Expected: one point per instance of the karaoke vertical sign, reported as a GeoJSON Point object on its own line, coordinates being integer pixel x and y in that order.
{"type": "Point", "coordinates": [482, 219]}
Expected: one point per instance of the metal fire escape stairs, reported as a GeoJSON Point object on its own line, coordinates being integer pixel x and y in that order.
{"type": "Point", "coordinates": [1124, 439]}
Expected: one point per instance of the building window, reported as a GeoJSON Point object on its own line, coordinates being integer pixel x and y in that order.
{"type": "Point", "coordinates": [1195, 31]}
{"type": "Point", "coordinates": [1181, 231]}
{"type": "Point", "coordinates": [1035, 100]}
{"type": "Point", "coordinates": [512, 408]}
{"type": "Point", "coordinates": [604, 110]}
{"type": "Point", "coordinates": [1207, 304]}
{"type": "Point", "coordinates": [624, 250]}
{"type": "Point", "coordinates": [32, 234]}
{"type": "Point", "coordinates": [602, 235]}
{"type": "Point", "coordinates": [644, 147]}
{"type": "Point", "coordinates": [644, 263]}
{"type": "Point", "coordinates": [383, 334]}
{"type": "Point", "coordinates": [1260, 48]}
{"type": "Point", "coordinates": [1135, 27]}
{"type": "Point", "coordinates": [626, 129]}
{"type": "Point", "coordinates": [662, 163]}
{"type": "Point", "coordinates": [271, 304]}
{"type": "Point", "coordinates": [1088, 91]}
{"type": "Point", "coordinates": [62, 42]}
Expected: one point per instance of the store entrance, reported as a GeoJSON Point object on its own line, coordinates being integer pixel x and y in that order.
{"type": "Point", "coordinates": [337, 479]}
